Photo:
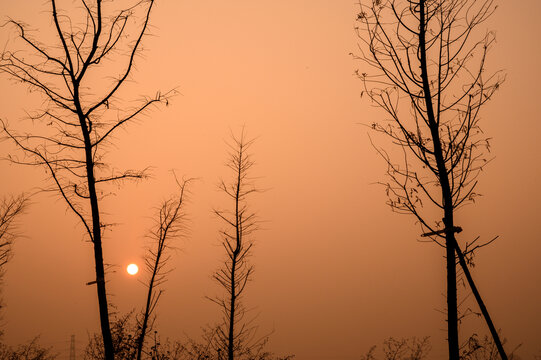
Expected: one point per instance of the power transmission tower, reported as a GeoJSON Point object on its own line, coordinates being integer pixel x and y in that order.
{"type": "Point", "coordinates": [72, 347]}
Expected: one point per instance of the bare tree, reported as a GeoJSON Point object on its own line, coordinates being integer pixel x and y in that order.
{"type": "Point", "coordinates": [190, 349]}
{"type": "Point", "coordinates": [233, 336]}
{"type": "Point", "coordinates": [401, 349]}
{"type": "Point", "coordinates": [10, 209]}
{"type": "Point", "coordinates": [418, 349]}
{"type": "Point", "coordinates": [485, 348]}
{"type": "Point", "coordinates": [169, 225]}
{"type": "Point", "coordinates": [80, 76]}
{"type": "Point", "coordinates": [426, 69]}
{"type": "Point", "coordinates": [123, 333]}
{"type": "Point", "coordinates": [31, 350]}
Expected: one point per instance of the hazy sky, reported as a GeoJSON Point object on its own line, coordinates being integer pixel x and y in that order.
{"type": "Point", "coordinates": [336, 270]}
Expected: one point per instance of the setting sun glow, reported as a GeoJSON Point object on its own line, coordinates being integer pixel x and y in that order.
{"type": "Point", "coordinates": [132, 269]}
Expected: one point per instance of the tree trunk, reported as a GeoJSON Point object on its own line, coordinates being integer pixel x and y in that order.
{"type": "Point", "coordinates": [144, 326]}
{"type": "Point", "coordinates": [238, 234]}
{"type": "Point", "coordinates": [481, 303]}
{"type": "Point", "coordinates": [141, 340]}
{"type": "Point", "coordinates": [98, 254]}
{"type": "Point", "coordinates": [452, 304]}
{"type": "Point", "coordinates": [231, 335]}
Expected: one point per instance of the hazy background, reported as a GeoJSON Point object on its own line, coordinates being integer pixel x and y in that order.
{"type": "Point", "coordinates": [336, 270]}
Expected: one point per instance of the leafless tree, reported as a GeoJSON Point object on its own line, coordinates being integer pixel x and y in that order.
{"type": "Point", "coordinates": [190, 349]}
{"type": "Point", "coordinates": [123, 333]}
{"type": "Point", "coordinates": [483, 348]}
{"type": "Point", "coordinates": [417, 349]}
{"type": "Point", "coordinates": [169, 225]}
{"type": "Point", "coordinates": [234, 335]}
{"type": "Point", "coordinates": [31, 350]}
{"type": "Point", "coordinates": [10, 209]}
{"type": "Point", "coordinates": [426, 67]}
{"type": "Point", "coordinates": [401, 349]}
{"type": "Point", "coordinates": [80, 76]}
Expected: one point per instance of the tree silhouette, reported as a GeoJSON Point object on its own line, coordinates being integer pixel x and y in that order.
{"type": "Point", "coordinates": [427, 70]}
{"type": "Point", "coordinates": [233, 337]}
{"type": "Point", "coordinates": [10, 209]}
{"type": "Point", "coordinates": [80, 76]}
{"type": "Point", "coordinates": [401, 349]}
{"type": "Point", "coordinates": [168, 226]}
{"type": "Point", "coordinates": [475, 348]}
{"type": "Point", "coordinates": [31, 350]}
{"type": "Point", "coordinates": [124, 335]}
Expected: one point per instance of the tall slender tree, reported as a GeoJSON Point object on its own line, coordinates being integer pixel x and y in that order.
{"type": "Point", "coordinates": [80, 75]}
{"type": "Point", "coordinates": [168, 225]}
{"type": "Point", "coordinates": [234, 333]}
{"type": "Point", "coordinates": [425, 66]}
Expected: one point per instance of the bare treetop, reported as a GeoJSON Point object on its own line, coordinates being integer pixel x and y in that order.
{"type": "Point", "coordinates": [456, 82]}
{"type": "Point", "coordinates": [80, 75]}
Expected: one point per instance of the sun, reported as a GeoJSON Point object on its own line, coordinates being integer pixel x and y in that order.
{"type": "Point", "coordinates": [132, 269]}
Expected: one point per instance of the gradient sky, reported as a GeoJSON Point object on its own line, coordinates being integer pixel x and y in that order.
{"type": "Point", "coordinates": [336, 270]}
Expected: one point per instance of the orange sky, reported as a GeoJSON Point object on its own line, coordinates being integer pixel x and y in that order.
{"type": "Point", "coordinates": [336, 270]}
